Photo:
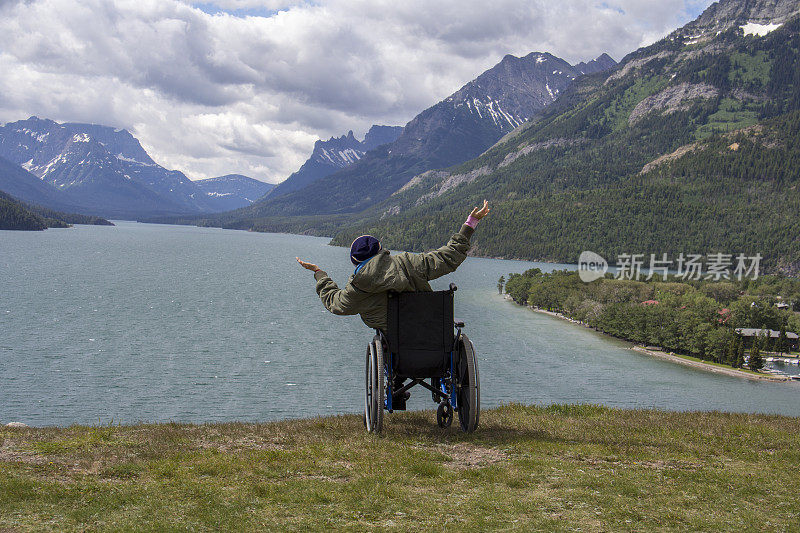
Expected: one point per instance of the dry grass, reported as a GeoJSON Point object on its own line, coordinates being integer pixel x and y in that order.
{"type": "Point", "coordinates": [556, 468]}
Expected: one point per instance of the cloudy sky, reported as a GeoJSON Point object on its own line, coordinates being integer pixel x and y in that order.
{"type": "Point", "coordinates": [247, 86]}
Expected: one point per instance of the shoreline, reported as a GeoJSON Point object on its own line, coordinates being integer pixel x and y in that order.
{"type": "Point", "coordinates": [666, 356]}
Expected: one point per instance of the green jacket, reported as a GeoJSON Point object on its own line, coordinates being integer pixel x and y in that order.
{"type": "Point", "coordinates": [365, 292]}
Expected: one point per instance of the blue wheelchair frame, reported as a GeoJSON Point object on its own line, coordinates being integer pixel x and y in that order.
{"type": "Point", "coordinates": [442, 392]}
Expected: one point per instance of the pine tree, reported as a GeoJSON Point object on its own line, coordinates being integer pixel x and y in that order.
{"type": "Point", "coordinates": [732, 350]}
{"type": "Point", "coordinates": [755, 362]}
{"type": "Point", "coordinates": [768, 344]}
{"type": "Point", "coordinates": [500, 283]}
{"type": "Point", "coordinates": [782, 340]}
{"type": "Point", "coordinates": [740, 354]}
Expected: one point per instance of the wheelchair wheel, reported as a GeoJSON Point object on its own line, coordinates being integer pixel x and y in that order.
{"type": "Point", "coordinates": [374, 387]}
{"type": "Point", "coordinates": [468, 385]}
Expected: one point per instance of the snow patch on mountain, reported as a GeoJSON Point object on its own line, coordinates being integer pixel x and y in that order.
{"type": "Point", "coordinates": [754, 28]}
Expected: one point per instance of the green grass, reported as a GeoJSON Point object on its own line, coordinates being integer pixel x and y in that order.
{"type": "Point", "coordinates": [731, 115]}
{"type": "Point", "coordinates": [560, 468]}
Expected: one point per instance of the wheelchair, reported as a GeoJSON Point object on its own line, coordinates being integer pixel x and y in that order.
{"type": "Point", "coordinates": [422, 342]}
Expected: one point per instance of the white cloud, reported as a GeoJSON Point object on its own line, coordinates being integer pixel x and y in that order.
{"type": "Point", "coordinates": [211, 93]}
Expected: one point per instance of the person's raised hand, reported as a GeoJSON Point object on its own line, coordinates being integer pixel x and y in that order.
{"type": "Point", "coordinates": [480, 212]}
{"type": "Point", "coordinates": [309, 266]}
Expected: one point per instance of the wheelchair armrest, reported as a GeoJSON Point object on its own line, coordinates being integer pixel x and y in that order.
{"type": "Point", "coordinates": [458, 324]}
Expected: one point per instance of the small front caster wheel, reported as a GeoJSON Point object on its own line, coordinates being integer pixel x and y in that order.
{"type": "Point", "coordinates": [444, 415]}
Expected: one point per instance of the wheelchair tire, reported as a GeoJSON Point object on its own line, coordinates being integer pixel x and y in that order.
{"type": "Point", "coordinates": [469, 388]}
{"type": "Point", "coordinates": [374, 395]}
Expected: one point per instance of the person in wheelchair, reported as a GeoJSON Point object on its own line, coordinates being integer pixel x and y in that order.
{"type": "Point", "coordinates": [377, 272]}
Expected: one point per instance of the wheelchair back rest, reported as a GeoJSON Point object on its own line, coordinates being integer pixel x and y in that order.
{"type": "Point", "coordinates": [420, 332]}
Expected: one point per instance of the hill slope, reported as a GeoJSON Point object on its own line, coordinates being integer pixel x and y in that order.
{"type": "Point", "coordinates": [526, 468]}
{"type": "Point", "coordinates": [16, 215]}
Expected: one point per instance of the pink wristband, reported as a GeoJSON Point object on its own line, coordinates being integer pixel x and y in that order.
{"type": "Point", "coordinates": [471, 221]}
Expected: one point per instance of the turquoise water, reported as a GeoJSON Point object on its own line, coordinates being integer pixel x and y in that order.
{"type": "Point", "coordinates": [168, 323]}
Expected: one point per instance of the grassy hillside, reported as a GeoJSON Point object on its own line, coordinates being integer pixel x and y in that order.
{"type": "Point", "coordinates": [556, 468]}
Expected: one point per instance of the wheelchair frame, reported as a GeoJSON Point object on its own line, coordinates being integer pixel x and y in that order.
{"type": "Point", "coordinates": [460, 380]}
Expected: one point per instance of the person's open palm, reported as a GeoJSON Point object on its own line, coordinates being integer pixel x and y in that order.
{"type": "Point", "coordinates": [309, 266]}
{"type": "Point", "coordinates": [480, 212]}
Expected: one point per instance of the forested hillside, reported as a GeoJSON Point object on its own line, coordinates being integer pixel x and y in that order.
{"type": "Point", "coordinates": [15, 215]}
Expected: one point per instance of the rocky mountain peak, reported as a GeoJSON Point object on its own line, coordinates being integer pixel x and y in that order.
{"type": "Point", "coordinates": [725, 14]}
{"type": "Point", "coordinates": [380, 135]}
{"type": "Point", "coordinates": [335, 154]}
{"type": "Point", "coordinates": [601, 63]}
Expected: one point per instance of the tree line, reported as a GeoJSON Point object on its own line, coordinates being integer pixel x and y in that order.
{"type": "Point", "coordinates": [697, 318]}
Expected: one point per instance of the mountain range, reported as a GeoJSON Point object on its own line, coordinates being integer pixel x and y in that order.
{"type": "Point", "coordinates": [454, 130]}
{"type": "Point", "coordinates": [101, 170]}
{"type": "Point", "coordinates": [97, 169]}
{"type": "Point", "coordinates": [690, 145]}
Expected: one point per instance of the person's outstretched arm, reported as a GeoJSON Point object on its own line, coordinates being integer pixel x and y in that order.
{"type": "Point", "coordinates": [337, 301]}
{"type": "Point", "coordinates": [435, 264]}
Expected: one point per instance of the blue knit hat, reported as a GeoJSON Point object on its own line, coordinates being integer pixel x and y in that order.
{"type": "Point", "coordinates": [363, 248]}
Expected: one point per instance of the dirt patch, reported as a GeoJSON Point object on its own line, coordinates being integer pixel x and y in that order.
{"type": "Point", "coordinates": [7, 455]}
{"type": "Point", "coordinates": [466, 456]}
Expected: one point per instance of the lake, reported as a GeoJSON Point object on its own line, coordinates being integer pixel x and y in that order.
{"type": "Point", "coordinates": [154, 323]}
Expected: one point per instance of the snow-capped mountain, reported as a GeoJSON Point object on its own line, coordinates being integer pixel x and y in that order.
{"type": "Point", "coordinates": [334, 154]}
{"type": "Point", "coordinates": [233, 191]}
{"type": "Point", "coordinates": [339, 152]}
{"type": "Point", "coordinates": [454, 130]}
{"type": "Point", "coordinates": [106, 170]}
{"type": "Point", "coordinates": [509, 93]}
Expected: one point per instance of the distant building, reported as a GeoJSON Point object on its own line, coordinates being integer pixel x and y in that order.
{"type": "Point", "coordinates": [749, 333]}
